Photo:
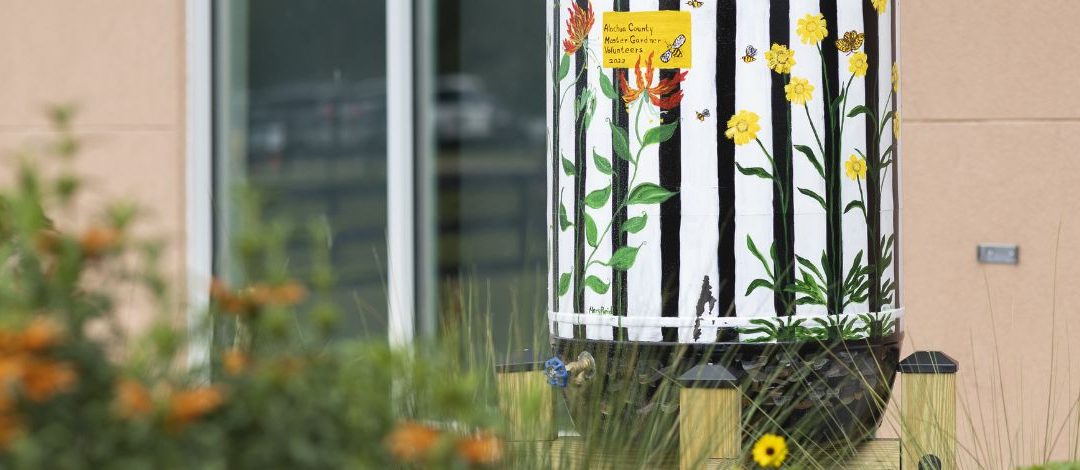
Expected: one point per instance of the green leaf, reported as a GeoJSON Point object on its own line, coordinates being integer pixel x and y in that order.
{"type": "Point", "coordinates": [564, 221]}
{"type": "Point", "coordinates": [854, 205]}
{"type": "Point", "coordinates": [607, 87]}
{"type": "Point", "coordinates": [564, 284]}
{"type": "Point", "coordinates": [859, 110]}
{"type": "Point", "coordinates": [757, 254]}
{"type": "Point", "coordinates": [810, 265]}
{"type": "Point", "coordinates": [817, 197]}
{"type": "Point", "coordinates": [809, 152]}
{"type": "Point", "coordinates": [648, 193]}
{"type": "Point", "coordinates": [659, 134]}
{"type": "Point", "coordinates": [564, 67]}
{"type": "Point", "coordinates": [598, 286]}
{"type": "Point", "coordinates": [598, 198]}
{"type": "Point", "coordinates": [619, 142]}
{"type": "Point", "coordinates": [636, 224]}
{"type": "Point", "coordinates": [754, 171]}
{"type": "Point", "coordinates": [568, 167]}
{"type": "Point", "coordinates": [623, 259]}
{"type": "Point", "coordinates": [836, 102]}
{"type": "Point", "coordinates": [590, 231]}
{"type": "Point", "coordinates": [603, 165]}
{"type": "Point", "coordinates": [758, 283]}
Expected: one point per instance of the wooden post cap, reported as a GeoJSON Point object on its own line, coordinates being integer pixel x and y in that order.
{"type": "Point", "coordinates": [525, 360]}
{"type": "Point", "coordinates": [709, 376]}
{"type": "Point", "coordinates": [929, 362]}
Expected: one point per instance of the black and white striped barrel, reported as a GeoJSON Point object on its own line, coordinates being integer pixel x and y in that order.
{"type": "Point", "coordinates": [674, 216]}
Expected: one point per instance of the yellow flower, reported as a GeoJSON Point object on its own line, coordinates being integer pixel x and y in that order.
{"type": "Point", "coordinates": [896, 125]}
{"type": "Point", "coordinates": [799, 91]}
{"type": "Point", "coordinates": [856, 168]}
{"type": "Point", "coordinates": [858, 64]}
{"type": "Point", "coordinates": [780, 58]}
{"type": "Point", "coordinates": [880, 5]}
{"type": "Point", "coordinates": [812, 28]}
{"type": "Point", "coordinates": [743, 127]}
{"type": "Point", "coordinates": [895, 77]}
{"type": "Point", "coordinates": [770, 451]}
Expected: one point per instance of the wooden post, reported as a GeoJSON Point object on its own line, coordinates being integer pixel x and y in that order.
{"type": "Point", "coordinates": [928, 412]}
{"type": "Point", "coordinates": [526, 399]}
{"type": "Point", "coordinates": [710, 416]}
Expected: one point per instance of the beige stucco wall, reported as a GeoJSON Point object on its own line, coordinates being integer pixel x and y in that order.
{"type": "Point", "coordinates": [121, 62]}
{"type": "Point", "coordinates": [991, 129]}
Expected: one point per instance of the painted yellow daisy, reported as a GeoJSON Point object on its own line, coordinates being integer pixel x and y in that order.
{"type": "Point", "coordinates": [812, 28]}
{"type": "Point", "coordinates": [770, 451]}
{"type": "Point", "coordinates": [743, 127]}
{"type": "Point", "coordinates": [856, 168]}
{"type": "Point", "coordinates": [896, 77]}
{"type": "Point", "coordinates": [799, 91]}
{"type": "Point", "coordinates": [858, 64]}
{"type": "Point", "coordinates": [880, 5]}
{"type": "Point", "coordinates": [780, 58]}
{"type": "Point", "coordinates": [896, 125]}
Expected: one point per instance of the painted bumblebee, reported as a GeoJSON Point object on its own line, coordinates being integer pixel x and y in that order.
{"type": "Point", "coordinates": [851, 42]}
{"type": "Point", "coordinates": [750, 56]}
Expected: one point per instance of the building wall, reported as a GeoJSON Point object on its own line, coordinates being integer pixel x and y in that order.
{"type": "Point", "coordinates": [121, 64]}
{"type": "Point", "coordinates": [991, 118]}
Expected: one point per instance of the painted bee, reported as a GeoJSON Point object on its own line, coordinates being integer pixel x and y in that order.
{"type": "Point", "coordinates": [695, 3]}
{"type": "Point", "coordinates": [751, 55]}
{"type": "Point", "coordinates": [701, 115]}
{"type": "Point", "coordinates": [674, 49]}
{"type": "Point", "coordinates": [851, 42]}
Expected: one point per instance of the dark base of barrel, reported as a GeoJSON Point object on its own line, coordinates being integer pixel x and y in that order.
{"type": "Point", "coordinates": [814, 393]}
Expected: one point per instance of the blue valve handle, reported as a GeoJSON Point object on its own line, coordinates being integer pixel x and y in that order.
{"type": "Point", "coordinates": [557, 375]}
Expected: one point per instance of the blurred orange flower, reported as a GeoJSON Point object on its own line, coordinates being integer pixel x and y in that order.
{"type": "Point", "coordinates": [95, 241]}
{"type": "Point", "coordinates": [235, 361]}
{"type": "Point", "coordinates": [43, 379]}
{"type": "Point", "coordinates": [577, 27]}
{"type": "Point", "coordinates": [249, 300]}
{"type": "Point", "coordinates": [188, 405]}
{"type": "Point", "coordinates": [411, 442]}
{"type": "Point", "coordinates": [655, 93]}
{"type": "Point", "coordinates": [133, 399]}
{"type": "Point", "coordinates": [40, 334]}
{"type": "Point", "coordinates": [482, 449]}
{"type": "Point", "coordinates": [10, 425]}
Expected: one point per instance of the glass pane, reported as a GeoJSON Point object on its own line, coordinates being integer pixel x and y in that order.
{"type": "Point", "coordinates": [301, 121]}
{"type": "Point", "coordinates": [490, 129]}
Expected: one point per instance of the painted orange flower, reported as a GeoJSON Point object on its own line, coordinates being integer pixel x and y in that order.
{"type": "Point", "coordinates": [656, 93]}
{"type": "Point", "coordinates": [578, 27]}
{"type": "Point", "coordinates": [411, 442]}
{"type": "Point", "coordinates": [188, 405]}
{"type": "Point", "coordinates": [483, 449]}
{"type": "Point", "coordinates": [132, 399]}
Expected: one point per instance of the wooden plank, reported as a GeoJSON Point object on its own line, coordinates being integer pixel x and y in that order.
{"type": "Point", "coordinates": [928, 419]}
{"type": "Point", "coordinates": [709, 425]}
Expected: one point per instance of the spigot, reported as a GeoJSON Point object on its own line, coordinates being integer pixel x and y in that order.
{"type": "Point", "coordinates": [559, 374]}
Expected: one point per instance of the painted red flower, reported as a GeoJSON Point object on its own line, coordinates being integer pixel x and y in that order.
{"type": "Point", "coordinates": [578, 27]}
{"type": "Point", "coordinates": [656, 93]}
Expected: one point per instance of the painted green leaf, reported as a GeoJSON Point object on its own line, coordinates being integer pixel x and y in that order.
{"type": "Point", "coordinates": [636, 224]}
{"type": "Point", "coordinates": [598, 286]}
{"type": "Point", "coordinates": [564, 221]}
{"type": "Point", "coordinates": [659, 134]}
{"type": "Point", "coordinates": [598, 198]}
{"type": "Point", "coordinates": [607, 87]}
{"type": "Point", "coordinates": [568, 167]}
{"type": "Point", "coordinates": [564, 284]}
{"type": "Point", "coordinates": [810, 265]}
{"type": "Point", "coordinates": [757, 254]}
{"type": "Point", "coordinates": [809, 152]}
{"type": "Point", "coordinates": [754, 171]}
{"type": "Point", "coordinates": [590, 231]}
{"type": "Point", "coordinates": [853, 205]}
{"type": "Point", "coordinates": [859, 110]}
{"type": "Point", "coordinates": [619, 142]}
{"type": "Point", "coordinates": [758, 283]}
{"type": "Point", "coordinates": [564, 67]}
{"type": "Point", "coordinates": [815, 196]}
{"type": "Point", "coordinates": [649, 193]}
{"type": "Point", "coordinates": [623, 259]}
{"type": "Point", "coordinates": [839, 99]}
{"type": "Point", "coordinates": [603, 165]}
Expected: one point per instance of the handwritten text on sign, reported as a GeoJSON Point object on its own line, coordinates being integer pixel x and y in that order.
{"type": "Point", "coordinates": [664, 34]}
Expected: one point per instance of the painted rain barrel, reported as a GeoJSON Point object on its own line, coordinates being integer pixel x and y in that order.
{"type": "Point", "coordinates": [724, 189]}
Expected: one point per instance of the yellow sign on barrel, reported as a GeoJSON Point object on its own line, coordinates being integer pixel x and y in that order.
{"type": "Point", "coordinates": [664, 35]}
